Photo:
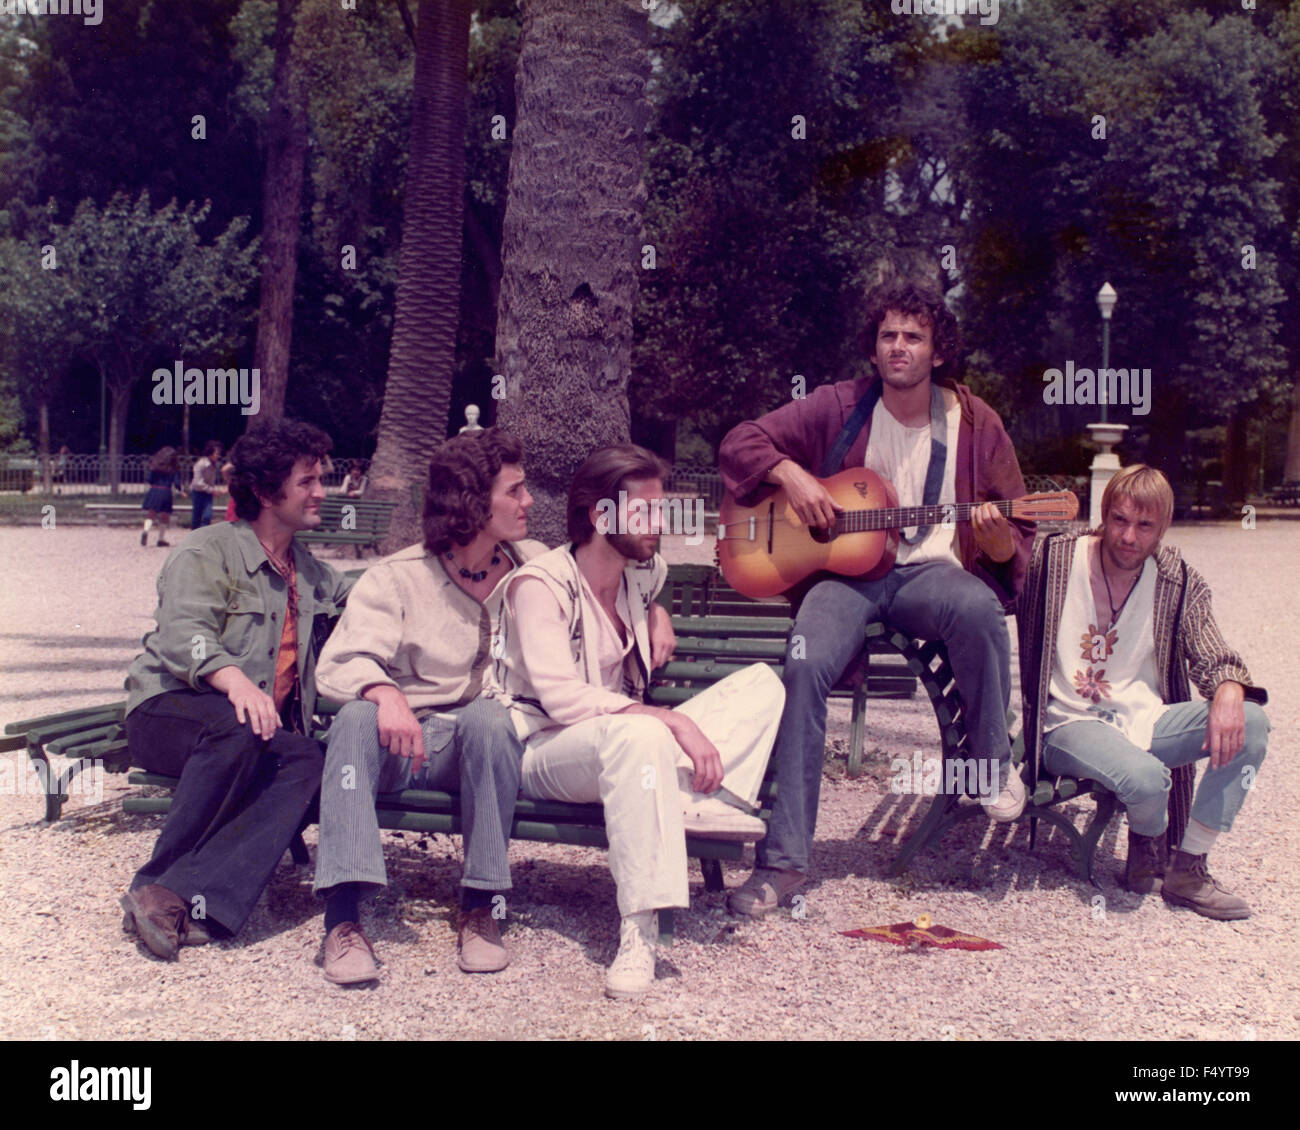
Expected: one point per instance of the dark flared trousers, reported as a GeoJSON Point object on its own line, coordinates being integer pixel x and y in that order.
{"type": "Point", "coordinates": [239, 802]}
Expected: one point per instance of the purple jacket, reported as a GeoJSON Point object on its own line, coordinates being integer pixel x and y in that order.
{"type": "Point", "coordinates": [804, 430]}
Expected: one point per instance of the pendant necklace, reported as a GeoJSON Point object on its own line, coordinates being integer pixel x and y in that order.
{"type": "Point", "coordinates": [474, 578]}
{"type": "Point", "coordinates": [1114, 612]}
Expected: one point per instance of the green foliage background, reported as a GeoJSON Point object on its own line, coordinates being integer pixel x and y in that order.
{"type": "Point", "coordinates": [973, 146]}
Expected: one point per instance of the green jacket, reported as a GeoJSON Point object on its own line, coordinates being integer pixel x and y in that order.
{"type": "Point", "coordinates": [221, 603]}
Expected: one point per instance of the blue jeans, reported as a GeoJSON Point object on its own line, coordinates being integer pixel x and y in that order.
{"type": "Point", "coordinates": [1098, 752]}
{"type": "Point", "coordinates": [934, 600]}
{"type": "Point", "coordinates": [476, 755]}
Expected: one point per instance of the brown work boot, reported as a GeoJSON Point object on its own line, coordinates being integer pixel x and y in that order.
{"type": "Point", "coordinates": [481, 947]}
{"type": "Point", "coordinates": [1144, 872]}
{"type": "Point", "coordinates": [1188, 882]}
{"type": "Point", "coordinates": [349, 957]}
{"type": "Point", "coordinates": [158, 915]}
{"type": "Point", "coordinates": [764, 890]}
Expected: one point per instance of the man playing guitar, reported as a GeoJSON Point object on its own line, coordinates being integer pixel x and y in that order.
{"type": "Point", "coordinates": [937, 443]}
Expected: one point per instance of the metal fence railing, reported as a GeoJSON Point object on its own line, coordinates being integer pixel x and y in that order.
{"type": "Point", "coordinates": [91, 474]}
{"type": "Point", "coordinates": [696, 481]}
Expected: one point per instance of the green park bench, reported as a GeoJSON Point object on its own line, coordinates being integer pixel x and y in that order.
{"type": "Point", "coordinates": [718, 632]}
{"type": "Point", "coordinates": [344, 520]}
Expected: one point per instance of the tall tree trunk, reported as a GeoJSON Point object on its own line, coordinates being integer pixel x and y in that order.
{"type": "Point", "coordinates": [119, 399]}
{"type": "Point", "coordinates": [43, 447]}
{"type": "Point", "coordinates": [417, 393]}
{"type": "Point", "coordinates": [1236, 467]}
{"type": "Point", "coordinates": [1291, 474]}
{"type": "Point", "coordinates": [286, 152]}
{"type": "Point", "coordinates": [571, 237]}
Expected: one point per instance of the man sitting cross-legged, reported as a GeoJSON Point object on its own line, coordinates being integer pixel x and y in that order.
{"type": "Point", "coordinates": [223, 694]}
{"type": "Point", "coordinates": [937, 443]}
{"type": "Point", "coordinates": [408, 659]}
{"type": "Point", "coordinates": [581, 634]}
{"type": "Point", "coordinates": [1112, 626]}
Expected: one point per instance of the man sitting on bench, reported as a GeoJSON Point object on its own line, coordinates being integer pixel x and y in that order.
{"type": "Point", "coordinates": [1109, 623]}
{"type": "Point", "coordinates": [223, 694]}
{"type": "Point", "coordinates": [937, 443]}
{"type": "Point", "coordinates": [581, 634]}
{"type": "Point", "coordinates": [407, 660]}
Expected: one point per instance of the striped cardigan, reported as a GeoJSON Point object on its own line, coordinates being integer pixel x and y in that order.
{"type": "Point", "coordinates": [1189, 648]}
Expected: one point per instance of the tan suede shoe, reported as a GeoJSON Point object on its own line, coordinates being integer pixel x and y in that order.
{"type": "Point", "coordinates": [349, 956]}
{"type": "Point", "coordinates": [481, 947]}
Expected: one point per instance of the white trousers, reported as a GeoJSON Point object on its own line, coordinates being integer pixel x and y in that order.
{"type": "Point", "coordinates": [632, 764]}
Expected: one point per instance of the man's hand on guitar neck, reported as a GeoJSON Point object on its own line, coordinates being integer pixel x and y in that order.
{"type": "Point", "coordinates": [992, 533]}
{"type": "Point", "coordinates": [811, 501]}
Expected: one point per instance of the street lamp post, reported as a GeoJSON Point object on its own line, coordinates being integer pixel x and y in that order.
{"type": "Point", "coordinates": [1105, 434]}
{"type": "Point", "coordinates": [1106, 299]}
{"type": "Point", "coordinates": [103, 446]}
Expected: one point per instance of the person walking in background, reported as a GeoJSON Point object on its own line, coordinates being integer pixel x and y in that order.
{"type": "Point", "coordinates": [204, 483]}
{"type": "Point", "coordinates": [164, 477]}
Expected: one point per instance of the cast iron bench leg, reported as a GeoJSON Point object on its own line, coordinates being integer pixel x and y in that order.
{"type": "Point", "coordinates": [712, 869]}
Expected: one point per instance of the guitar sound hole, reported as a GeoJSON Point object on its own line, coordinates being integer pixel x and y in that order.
{"type": "Point", "coordinates": [820, 534]}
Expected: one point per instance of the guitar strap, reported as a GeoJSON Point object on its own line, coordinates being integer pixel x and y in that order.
{"type": "Point", "coordinates": [938, 447]}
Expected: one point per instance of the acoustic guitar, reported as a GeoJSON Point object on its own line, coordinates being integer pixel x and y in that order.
{"type": "Point", "coordinates": [765, 550]}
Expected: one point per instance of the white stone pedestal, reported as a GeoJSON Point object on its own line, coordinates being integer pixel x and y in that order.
{"type": "Point", "coordinates": [1105, 464]}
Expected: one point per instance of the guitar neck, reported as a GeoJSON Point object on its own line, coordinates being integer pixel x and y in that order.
{"type": "Point", "coordinates": [900, 517]}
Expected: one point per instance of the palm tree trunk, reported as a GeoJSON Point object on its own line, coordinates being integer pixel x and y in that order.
{"type": "Point", "coordinates": [286, 153]}
{"type": "Point", "coordinates": [571, 236]}
{"type": "Point", "coordinates": [417, 394]}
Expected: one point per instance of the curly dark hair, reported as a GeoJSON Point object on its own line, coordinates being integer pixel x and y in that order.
{"type": "Point", "coordinates": [921, 299]}
{"type": "Point", "coordinates": [212, 447]}
{"type": "Point", "coordinates": [164, 459]}
{"type": "Point", "coordinates": [263, 459]}
{"type": "Point", "coordinates": [458, 501]}
{"type": "Point", "coordinates": [603, 475]}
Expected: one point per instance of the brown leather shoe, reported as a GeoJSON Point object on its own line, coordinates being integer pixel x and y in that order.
{"type": "Point", "coordinates": [349, 956]}
{"type": "Point", "coordinates": [158, 916]}
{"type": "Point", "coordinates": [193, 931]}
{"type": "Point", "coordinates": [1188, 882]}
{"type": "Point", "coordinates": [481, 947]}
{"type": "Point", "coordinates": [1144, 872]}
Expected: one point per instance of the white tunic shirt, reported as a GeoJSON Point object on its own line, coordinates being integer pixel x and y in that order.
{"type": "Point", "coordinates": [1105, 674]}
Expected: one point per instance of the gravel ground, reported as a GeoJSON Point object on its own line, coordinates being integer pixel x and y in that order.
{"type": "Point", "coordinates": [1077, 962]}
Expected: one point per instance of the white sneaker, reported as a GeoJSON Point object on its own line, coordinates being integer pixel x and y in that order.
{"type": "Point", "coordinates": [714, 819]}
{"type": "Point", "coordinates": [1011, 801]}
{"type": "Point", "coordinates": [633, 970]}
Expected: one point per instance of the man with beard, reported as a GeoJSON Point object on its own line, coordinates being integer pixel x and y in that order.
{"type": "Point", "coordinates": [581, 634]}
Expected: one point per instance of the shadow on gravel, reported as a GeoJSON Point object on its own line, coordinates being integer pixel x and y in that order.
{"type": "Point", "coordinates": [962, 860]}
{"type": "Point", "coordinates": [130, 643]}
